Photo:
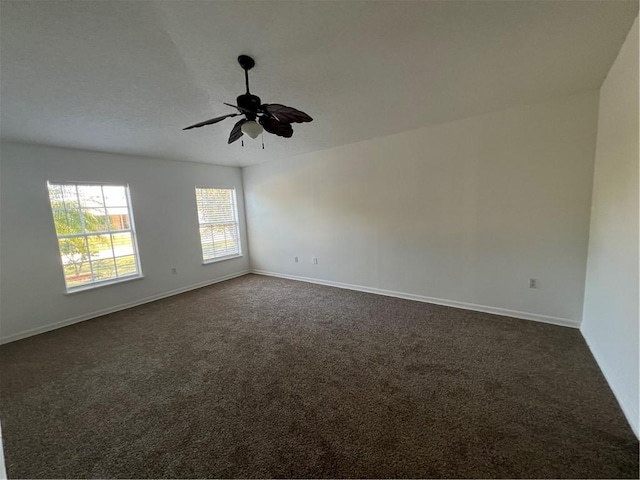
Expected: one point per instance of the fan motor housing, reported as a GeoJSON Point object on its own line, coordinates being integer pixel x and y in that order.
{"type": "Point", "coordinates": [249, 102]}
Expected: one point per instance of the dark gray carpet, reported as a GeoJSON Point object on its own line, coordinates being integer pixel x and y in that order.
{"type": "Point", "coordinates": [263, 377]}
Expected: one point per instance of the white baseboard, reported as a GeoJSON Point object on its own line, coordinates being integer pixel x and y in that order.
{"type": "Point", "coordinates": [123, 306]}
{"type": "Point", "coordinates": [3, 469]}
{"type": "Point", "coordinates": [630, 411]}
{"type": "Point", "coordinates": [564, 322]}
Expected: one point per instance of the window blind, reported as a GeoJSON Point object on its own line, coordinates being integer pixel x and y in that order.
{"type": "Point", "coordinates": [218, 221]}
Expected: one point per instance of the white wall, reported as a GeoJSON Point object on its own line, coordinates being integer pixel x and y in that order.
{"type": "Point", "coordinates": [33, 298]}
{"type": "Point", "coordinates": [463, 213]}
{"type": "Point", "coordinates": [610, 323]}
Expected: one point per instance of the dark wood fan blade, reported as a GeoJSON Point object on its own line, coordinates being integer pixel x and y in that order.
{"type": "Point", "coordinates": [286, 114]}
{"type": "Point", "coordinates": [272, 125]}
{"type": "Point", "coordinates": [236, 131]}
{"type": "Point", "coordinates": [212, 121]}
{"type": "Point", "coordinates": [240, 109]}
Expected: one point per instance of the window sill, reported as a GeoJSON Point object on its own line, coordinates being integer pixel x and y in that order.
{"type": "Point", "coordinates": [222, 259]}
{"type": "Point", "coordinates": [106, 283]}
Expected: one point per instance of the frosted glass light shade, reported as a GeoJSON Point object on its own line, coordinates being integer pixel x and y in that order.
{"type": "Point", "coordinates": [251, 128]}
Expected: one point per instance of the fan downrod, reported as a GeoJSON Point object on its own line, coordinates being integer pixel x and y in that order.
{"type": "Point", "coordinates": [246, 62]}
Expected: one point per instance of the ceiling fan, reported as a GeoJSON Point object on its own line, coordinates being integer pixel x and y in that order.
{"type": "Point", "coordinates": [272, 117]}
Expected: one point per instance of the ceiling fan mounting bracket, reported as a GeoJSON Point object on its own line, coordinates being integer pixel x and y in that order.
{"type": "Point", "coordinates": [246, 62]}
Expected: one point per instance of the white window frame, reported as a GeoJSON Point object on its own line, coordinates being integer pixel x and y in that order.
{"type": "Point", "coordinates": [204, 224]}
{"type": "Point", "coordinates": [110, 281]}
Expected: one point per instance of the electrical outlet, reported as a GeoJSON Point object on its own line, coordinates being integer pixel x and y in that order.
{"type": "Point", "coordinates": [315, 260]}
{"type": "Point", "coordinates": [174, 271]}
{"type": "Point", "coordinates": [533, 283]}
{"type": "Point", "coordinates": [295, 259]}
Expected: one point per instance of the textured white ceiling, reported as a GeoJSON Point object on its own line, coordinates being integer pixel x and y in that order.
{"type": "Point", "coordinates": [126, 77]}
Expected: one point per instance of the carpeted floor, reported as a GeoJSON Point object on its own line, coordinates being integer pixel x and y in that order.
{"type": "Point", "coordinates": [264, 377]}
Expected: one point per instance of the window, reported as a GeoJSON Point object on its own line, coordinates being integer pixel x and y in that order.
{"type": "Point", "coordinates": [95, 231]}
{"type": "Point", "coordinates": [218, 219]}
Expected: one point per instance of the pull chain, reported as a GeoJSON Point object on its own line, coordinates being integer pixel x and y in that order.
{"type": "Point", "coordinates": [242, 141]}
{"type": "Point", "coordinates": [263, 140]}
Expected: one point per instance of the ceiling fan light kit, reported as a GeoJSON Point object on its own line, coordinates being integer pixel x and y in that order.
{"type": "Point", "coordinates": [273, 118]}
{"type": "Point", "coordinates": [251, 128]}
